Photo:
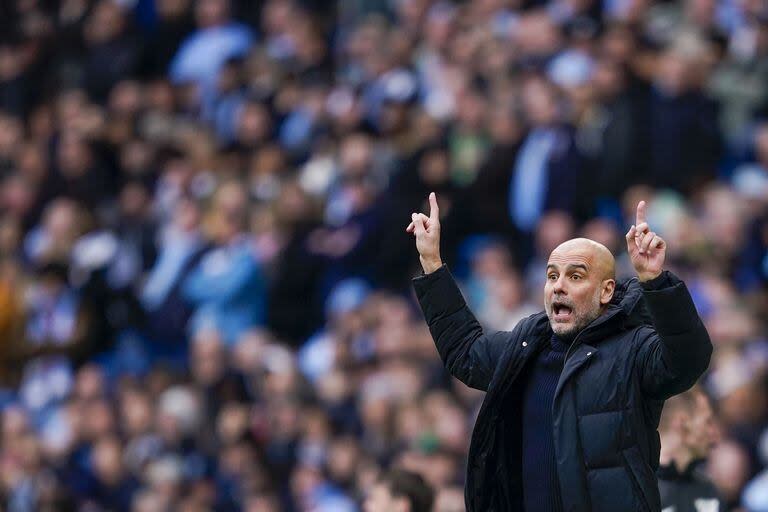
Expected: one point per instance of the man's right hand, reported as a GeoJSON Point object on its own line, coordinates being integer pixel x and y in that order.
{"type": "Point", "coordinates": [427, 233]}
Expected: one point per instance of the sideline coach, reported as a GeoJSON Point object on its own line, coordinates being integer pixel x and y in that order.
{"type": "Point", "coordinates": [574, 393]}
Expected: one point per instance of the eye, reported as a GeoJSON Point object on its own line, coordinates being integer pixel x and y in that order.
{"type": "Point", "coordinates": [552, 277]}
{"type": "Point", "coordinates": [575, 277]}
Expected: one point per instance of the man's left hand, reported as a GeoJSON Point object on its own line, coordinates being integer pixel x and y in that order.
{"type": "Point", "coordinates": [647, 250]}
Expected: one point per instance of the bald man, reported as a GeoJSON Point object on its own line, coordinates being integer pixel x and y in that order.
{"type": "Point", "coordinates": [574, 393]}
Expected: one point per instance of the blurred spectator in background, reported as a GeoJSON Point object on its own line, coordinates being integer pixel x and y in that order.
{"type": "Point", "coordinates": [400, 491]}
{"type": "Point", "coordinates": [547, 168]}
{"type": "Point", "coordinates": [201, 55]}
{"type": "Point", "coordinates": [684, 141]}
{"type": "Point", "coordinates": [226, 286]}
{"type": "Point", "coordinates": [173, 23]}
{"type": "Point", "coordinates": [688, 431]}
{"type": "Point", "coordinates": [56, 337]}
{"type": "Point", "coordinates": [110, 52]}
{"type": "Point", "coordinates": [180, 246]}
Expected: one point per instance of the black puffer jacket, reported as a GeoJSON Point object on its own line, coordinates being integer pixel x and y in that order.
{"type": "Point", "coordinates": [647, 346]}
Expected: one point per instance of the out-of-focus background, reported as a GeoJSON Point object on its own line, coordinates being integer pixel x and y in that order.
{"type": "Point", "coordinates": [205, 296]}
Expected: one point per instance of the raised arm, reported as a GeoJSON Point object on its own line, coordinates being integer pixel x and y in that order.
{"type": "Point", "coordinates": [673, 357]}
{"type": "Point", "coordinates": [468, 354]}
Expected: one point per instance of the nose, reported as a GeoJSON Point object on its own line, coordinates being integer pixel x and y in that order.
{"type": "Point", "coordinates": [559, 286]}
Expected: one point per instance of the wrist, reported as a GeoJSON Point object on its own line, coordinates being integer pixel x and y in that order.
{"type": "Point", "coordinates": [645, 277]}
{"type": "Point", "coordinates": [430, 265]}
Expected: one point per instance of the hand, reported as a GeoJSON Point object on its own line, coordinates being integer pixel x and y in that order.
{"type": "Point", "coordinates": [647, 250]}
{"type": "Point", "coordinates": [427, 233]}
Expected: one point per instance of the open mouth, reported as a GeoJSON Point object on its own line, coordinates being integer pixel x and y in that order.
{"type": "Point", "coordinates": [562, 312]}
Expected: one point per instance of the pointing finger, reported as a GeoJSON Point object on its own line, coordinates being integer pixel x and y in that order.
{"type": "Point", "coordinates": [434, 210]}
{"type": "Point", "coordinates": [641, 213]}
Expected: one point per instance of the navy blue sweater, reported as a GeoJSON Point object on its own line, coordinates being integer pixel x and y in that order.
{"type": "Point", "coordinates": [541, 492]}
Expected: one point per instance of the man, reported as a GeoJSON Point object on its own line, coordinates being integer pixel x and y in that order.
{"type": "Point", "coordinates": [400, 491]}
{"type": "Point", "coordinates": [574, 394]}
{"type": "Point", "coordinates": [218, 38]}
{"type": "Point", "coordinates": [688, 432]}
{"type": "Point", "coordinates": [547, 166]}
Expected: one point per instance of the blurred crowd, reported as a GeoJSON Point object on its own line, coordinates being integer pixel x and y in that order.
{"type": "Point", "coordinates": [205, 296]}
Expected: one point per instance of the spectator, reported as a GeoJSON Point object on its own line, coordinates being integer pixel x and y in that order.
{"type": "Point", "coordinates": [114, 488]}
{"type": "Point", "coordinates": [226, 287]}
{"type": "Point", "coordinates": [688, 432]}
{"type": "Point", "coordinates": [612, 138]}
{"type": "Point", "coordinates": [56, 336]}
{"type": "Point", "coordinates": [216, 39]}
{"type": "Point", "coordinates": [547, 164]}
{"type": "Point", "coordinates": [79, 174]}
{"type": "Point", "coordinates": [180, 246]}
{"type": "Point", "coordinates": [110, 49]}
{"type": "Point", "coordinates": [400, 491]}
{"type": "Point", "coordinates": [684, 142]}
{"type": "Point", "coordinates": [172, 26]}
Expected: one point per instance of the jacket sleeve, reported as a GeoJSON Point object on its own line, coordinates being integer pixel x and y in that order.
{"type": "Point", "coordinates": [468, 354]}
{"type": "Point", "coordinates": [673, 357]}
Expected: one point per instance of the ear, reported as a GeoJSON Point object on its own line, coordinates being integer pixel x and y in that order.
{"type": "Point", "coordinates": [606, 293]}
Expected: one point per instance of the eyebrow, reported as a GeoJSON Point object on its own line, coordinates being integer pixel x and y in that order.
{"type": "Point", "coordinates": [570, 266]}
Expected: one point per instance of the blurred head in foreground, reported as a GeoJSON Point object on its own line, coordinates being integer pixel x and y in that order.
{"type": "Point", "coordinates": [400, 491]}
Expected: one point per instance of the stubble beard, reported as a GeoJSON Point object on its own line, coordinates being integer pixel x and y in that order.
{"type": "Point", "coordinates": [569, 333]}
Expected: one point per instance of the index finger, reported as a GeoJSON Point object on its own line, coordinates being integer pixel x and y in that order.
{"type": "Point", "coordinates": [434, 210]}
{"type": "Point", "coordinates": [640, 218]}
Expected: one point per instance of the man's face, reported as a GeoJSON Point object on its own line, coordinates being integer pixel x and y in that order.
{"type": "Point", "coordinates": [576, 288]}
{"type": "Point", "coordinates": [380, 499]}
